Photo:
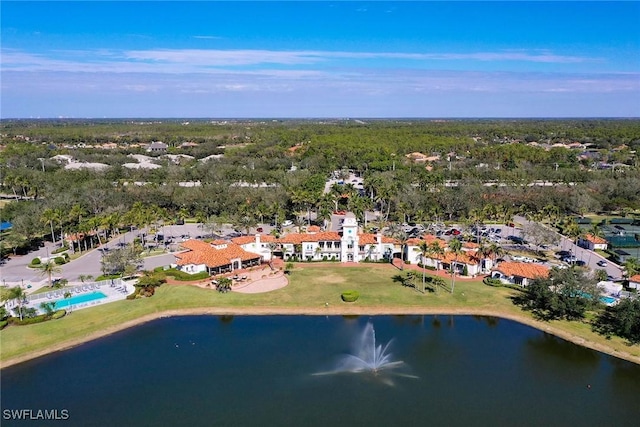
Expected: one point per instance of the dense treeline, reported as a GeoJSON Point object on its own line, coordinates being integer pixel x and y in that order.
{"type": "Point", "coordinates": [270, 170]}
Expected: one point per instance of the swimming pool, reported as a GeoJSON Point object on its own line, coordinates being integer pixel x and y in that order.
{"type": "Point", "coordinates": [79, 299]}
{"type": "Point", "coordinates": [608, 300]}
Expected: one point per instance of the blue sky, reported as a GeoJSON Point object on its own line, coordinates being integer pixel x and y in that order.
{"type": "Point", "coordinates": [320, 59]}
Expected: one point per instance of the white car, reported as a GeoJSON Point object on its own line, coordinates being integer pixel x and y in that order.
{"type": "Point", "coordinates": [602, 263]}
{"type": "Point", "coordinates": [287, 223]}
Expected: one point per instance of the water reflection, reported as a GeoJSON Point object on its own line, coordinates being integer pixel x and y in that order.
{"type": "Point", "coordinates": [546, 346]}
{"type": "Point", "coordinates": [490, 321]}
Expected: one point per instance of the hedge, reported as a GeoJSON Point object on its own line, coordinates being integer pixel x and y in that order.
{"type": "Point", "coordinates": [36, 261]}
{"type": "Point", "coordinates": [62, 249]}
{"type": "Point", "coordinates": [59, 314]}
{"type": "Point", "coordinates": [490, 281]}
{"type": "Point", "coordinates": [60, 260]}
{"type": "Point", "coordinates": [107, 277]}
{"type": "Point", "coordinates": [185, 277]}
{"type": "Point", "coordinates": [28, 320]}
{"type": "Point", "coordinates": [350, 296]}
{"type": "Point", "coordinates": [3, 323]}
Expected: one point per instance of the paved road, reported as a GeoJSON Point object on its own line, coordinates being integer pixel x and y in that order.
{"type": "Point", "coordinates": [590, 258]}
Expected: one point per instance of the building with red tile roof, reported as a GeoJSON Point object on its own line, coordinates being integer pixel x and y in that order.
{"type": "Point", "coordinates": [263, 245]}
{"type": "Point", "coordinates": [591, 242]}
{"type": "Point", "coordinates": [216, 257]}
{"type": "Point", "coordinates": [634, 281]}
{"type": "Point", "coordinates": [468, 257]}
{"type": "Point", "coordinates": [346, 245]}
{"type": "Point", "coordinates": [519, 273]}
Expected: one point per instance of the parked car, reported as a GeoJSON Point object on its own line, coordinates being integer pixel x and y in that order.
{"type": "Point", "coordinates": [259, 230]}
{"type": "Point", "coordinates": [602, 263]}
{"type": "Point", "coordinates": [287, 223]}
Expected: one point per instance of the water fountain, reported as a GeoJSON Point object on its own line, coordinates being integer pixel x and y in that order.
{"type": "Point", "coordinates": [368, 357]}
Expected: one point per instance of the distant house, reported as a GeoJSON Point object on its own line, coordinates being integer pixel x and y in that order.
{"type": "Point", "coordinates": [417, 157]}
{"type": "Point", "coordinates": [519, 273]}
{"type": "Point", "coordinates": [592, 242]}
{"type": "Point", "coordinates": [157, 147]}
{"type": "Point", "coordinates": [634, 281]}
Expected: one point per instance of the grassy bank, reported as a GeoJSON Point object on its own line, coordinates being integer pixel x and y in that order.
{"type": "Point", "coordinates": [310, 288]}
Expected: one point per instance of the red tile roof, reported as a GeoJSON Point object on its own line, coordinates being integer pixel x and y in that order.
{"type": "Point", "coordinates": [297, 238]}
{"type": "Point", "coordinates": [372, 239]}
{"type": "Point", "coordinates": [635, 278]}
{"type": "Point", "coordinates": [199, 252]}
{"type": "Point", "coordinates": [429, 238]}
{"type": "Point", "coordinates": [595, 239]}
{"type": "Point", "coordinates": [463, 257]}
{"type": "Point", "coordinates": [245, 240]}
{"type": "Point", "coordinates": [522, 269]}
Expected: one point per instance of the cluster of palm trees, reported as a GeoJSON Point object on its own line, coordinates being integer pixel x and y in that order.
{"type": "Point", "coordinates": [84, 226]}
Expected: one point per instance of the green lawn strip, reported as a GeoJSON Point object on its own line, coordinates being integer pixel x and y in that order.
{"type": "Point", "coordinates": [309, 287]}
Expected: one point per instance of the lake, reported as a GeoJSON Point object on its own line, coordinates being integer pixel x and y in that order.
{"type": "Point", "coordinates": [259, 371]}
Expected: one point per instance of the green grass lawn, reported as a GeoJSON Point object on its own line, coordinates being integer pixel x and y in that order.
{"type": "Point", "coordinates": [309, 288]}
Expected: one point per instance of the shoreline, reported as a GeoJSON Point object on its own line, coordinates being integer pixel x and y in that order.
{"type": "Point", "coordinates": [325, 311]}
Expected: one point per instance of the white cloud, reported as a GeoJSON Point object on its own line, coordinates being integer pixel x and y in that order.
{"type": "Point", "coordinates": [211, 60]}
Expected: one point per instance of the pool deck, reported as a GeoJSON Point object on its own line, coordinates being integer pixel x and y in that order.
{"type": "Point", "coordinates": [115, 290]}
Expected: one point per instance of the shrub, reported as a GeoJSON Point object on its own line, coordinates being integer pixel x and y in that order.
{"type": "Point", "coordinates": [60, 260]}
{"type": "Point", "coordinates": [36, 261]}
{"type": "Point", "coordinates": [59, 250]}
{"type": "Point", "coordinates": [407, 261]}
{"type": "Point", "coordinates": [465, 270]}
{"type": "Point", "coordinates": [107, 277]}
{"type": "Point", "coordinates": [185, 277]}
{"type": "Point", "coordinates": [134, 295]}
{"type": "Point", "coordinates": [3, 323]}
{"type": "Point", "coordinates": [350, 296]}
{"type": "Point", "coordinates": [492, 282]}
{"type": "Point", "coordinates": [59, 314]}
{"type": "Point", "coordinates": [28, 320]}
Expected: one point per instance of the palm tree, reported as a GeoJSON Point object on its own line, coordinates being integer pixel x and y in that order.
{"type": "Point", "coordinates": [67, 295]}
{"type": "Point", "coordinates": [455, 247]}
{"type": "Point", "coordinates": [18, 294]}
{"type": "Point", "coordinates": [496, 251]}
{"type": "Point", "coordinates": [436, 249]}
{"type": "Point", "coordinates": [48, 217]}
{"type": "Point", "coordinates": [631, 267]}
{"type": "Point", "coordinates": [484, 251]}
{"type": "Point", "coordinates": [48, 269]}
{"type": "Point", "coordinates": [424, 249]}
{"type": "Point", "coordinates": [401, 237]}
